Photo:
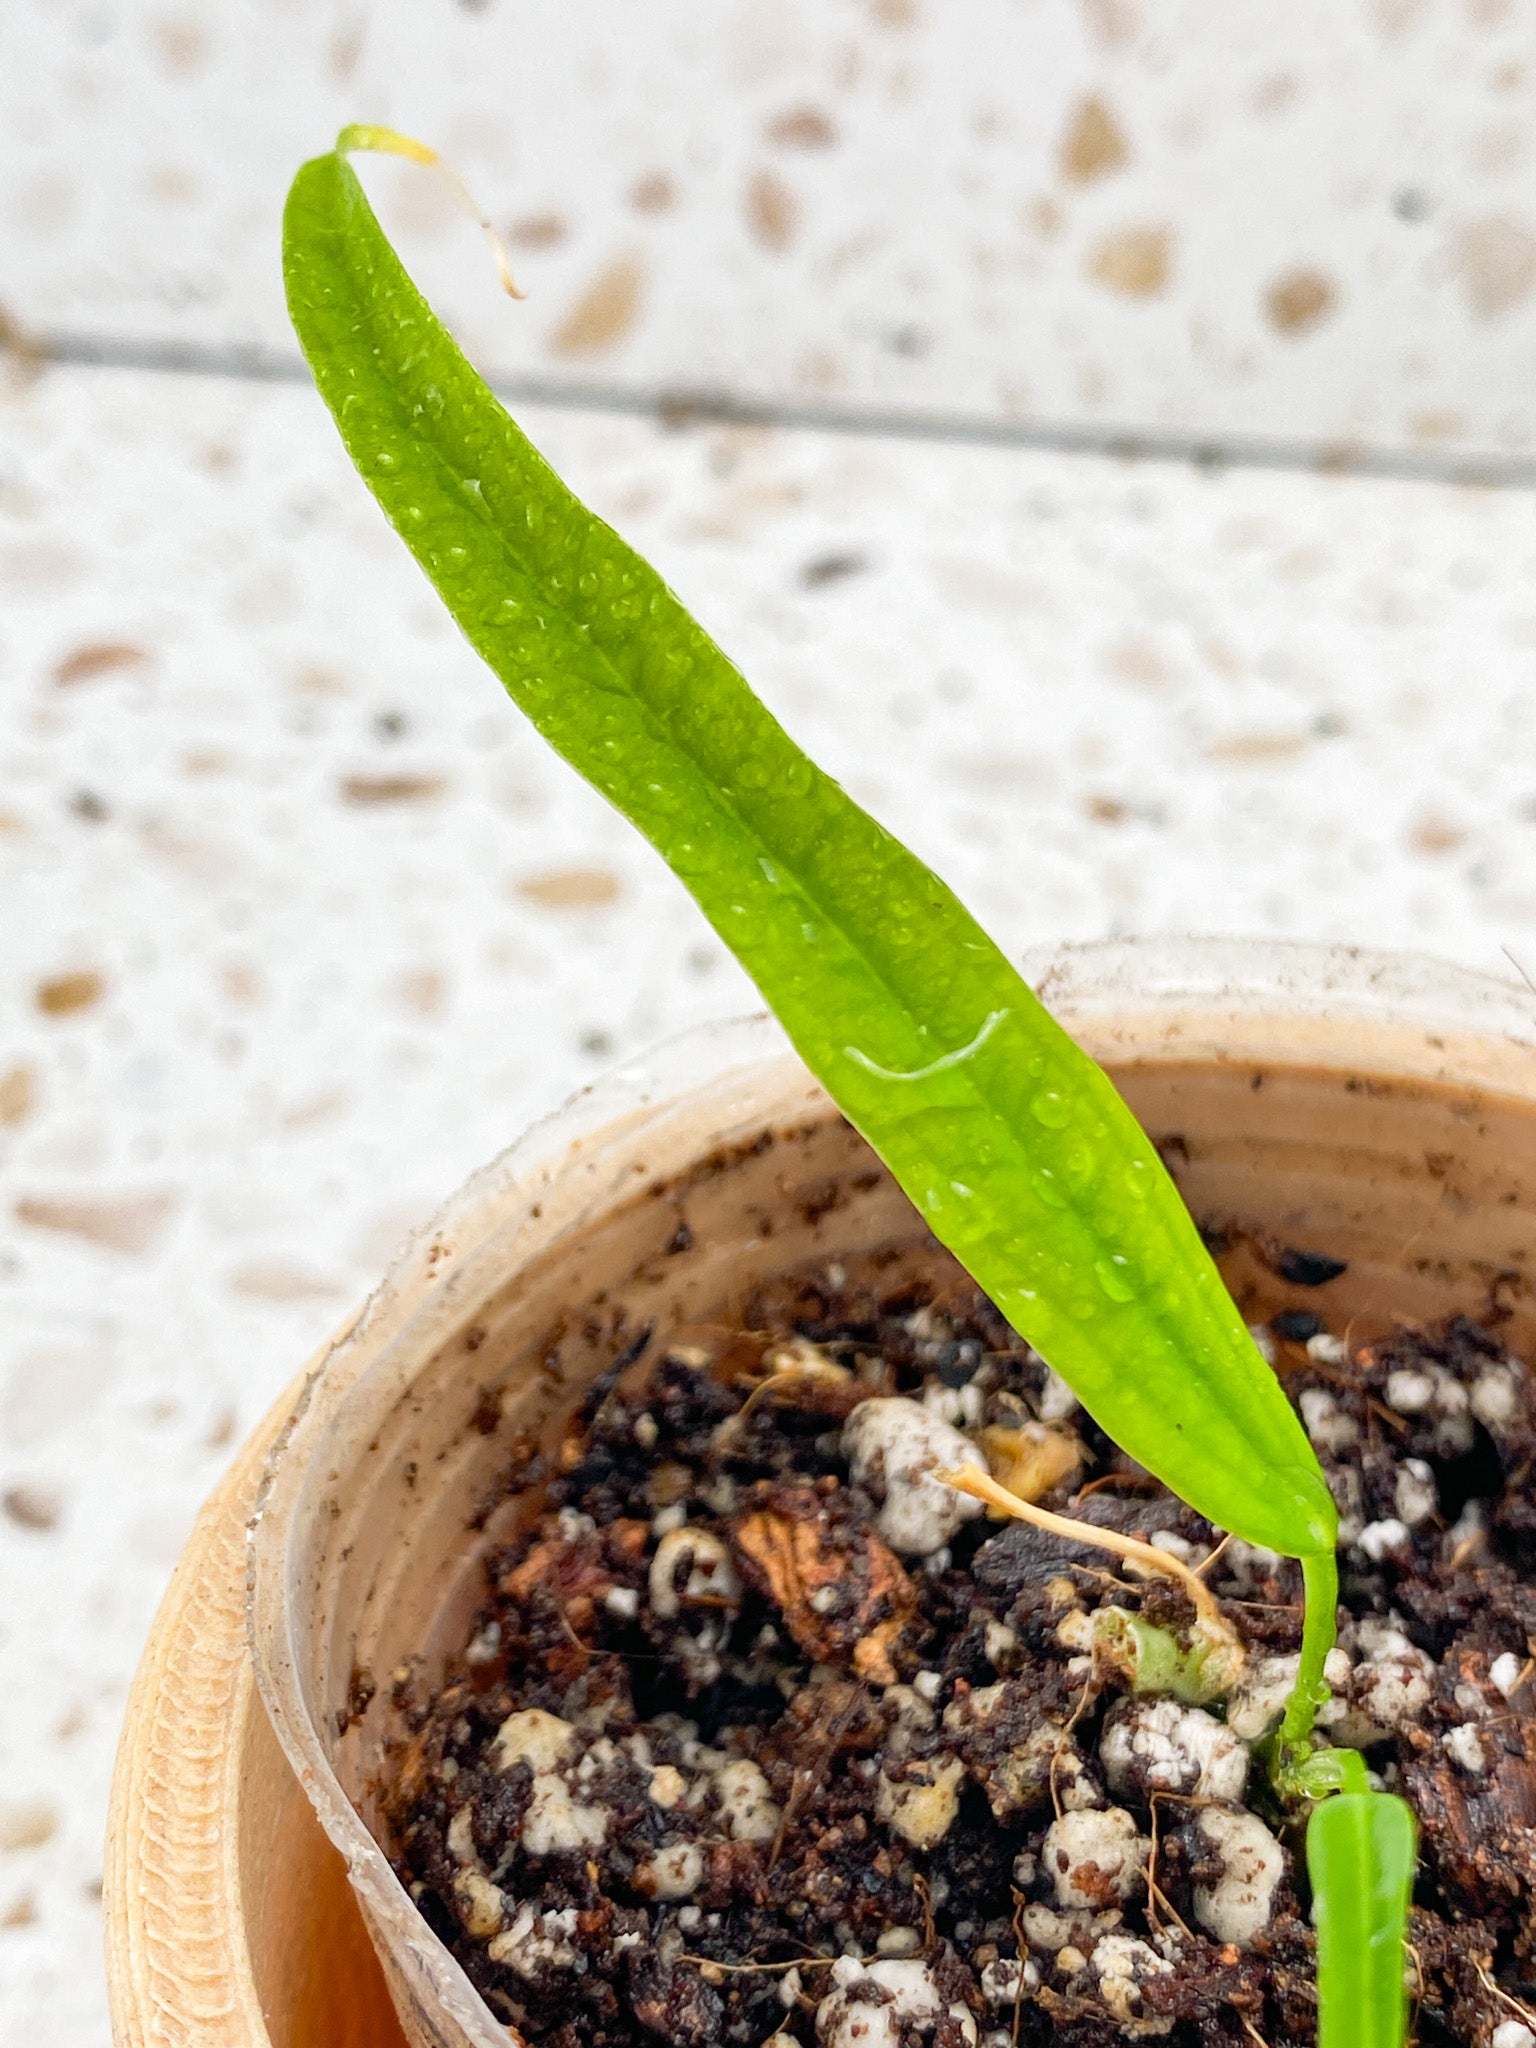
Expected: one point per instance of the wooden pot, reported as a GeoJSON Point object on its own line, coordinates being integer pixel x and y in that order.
{"type": "Point", "coordinates": [1381, 1109]}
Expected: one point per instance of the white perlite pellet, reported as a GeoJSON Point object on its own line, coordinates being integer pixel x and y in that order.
{"type": "Point", "coordinates": [674, 1872]}
{"type": "Point", "coordinates": [1417, 1497]}
{"type": "Point", "coordinates": [1173, 1748]}
{"type": "Point", "coordinates": [1383, 1539]}
{"type": "Point", "coordinates": [1493, 1397]}
{"type": "Point", "coordinates": [1259, 1699]}
{"type": "Point", "coordinates": [899, 1941]}
{"type": "Point", "coordinates": [1058, 1403]}
{"type": "Point", "coordinates": [704, 1564]}
{"type": "Point", "coordinates": [998, 1644]}
{"type": "Point", "coordinates": [1123, 1966]}
{"type": "Point", "coordinates": [1410, 1390]}
{"type": "Point", "coordinates": [1329, 1427]}
{"type": "Point", "coordinates": [896, 1445]}
{"type": "Point", "coordinates": [1089, 1855]}
{"type": "Point", "coordinates": [961, 1406]}
{"type": "Point", "coordinates": [536, 1942]}
{"type": "Point", "coordinates": [746, 1803]}
{"type": "Point", "coordinates": [908, 1715]}
{"type": "Point", "coordinates": [1465, 1745]}
{"type": "Point", "coordinates": [843, 2021]}
{"type": "Point", "coordinates": [1237, 1907]}
{"type": "Point", "coordinates": [535, 1738]}
{"type": "Point", "coordinates": [1505, 1672]}
{"type": "Point", "coordinates": [554, 1821]}
{"type": "Point", "coordinates": [461, 1839]}
{"type": "Point", "coordinates": [481, 1904]}
{"type": "Point", "coordinates": [922, 1813]}
{"type": "Point", "coordinates": [1389, 1686]}
{"type": "Point", "coordinates": [1003, 1981]}
{"type": "Point", "coordinates": [667, 1786]}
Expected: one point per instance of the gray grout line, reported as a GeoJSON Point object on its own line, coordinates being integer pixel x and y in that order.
{"type": "Point", "coordinates": [680, 408]}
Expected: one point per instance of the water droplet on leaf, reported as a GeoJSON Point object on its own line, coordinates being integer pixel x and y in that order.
{"type": "Point", "coordinates": [1114, 1276]}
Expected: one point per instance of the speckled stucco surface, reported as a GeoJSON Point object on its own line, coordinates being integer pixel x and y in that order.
{"type": "Point", "coordinates": [298, 923]}
{"type": "Point", "coordinates": [1308, 222]}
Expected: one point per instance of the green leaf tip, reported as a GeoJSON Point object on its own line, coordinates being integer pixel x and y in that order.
{"type": "Point", "coordinates": [1014, 1146]}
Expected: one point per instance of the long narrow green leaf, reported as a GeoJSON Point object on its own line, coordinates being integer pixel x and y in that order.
{"type": "Point", "coordinates": [1013, 1145]}
{"type": "Point", "coordinates": [1361, 1849]}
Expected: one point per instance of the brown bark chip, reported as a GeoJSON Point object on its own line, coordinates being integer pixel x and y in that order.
{"type": "Point", "coordinates": [844, 1597]}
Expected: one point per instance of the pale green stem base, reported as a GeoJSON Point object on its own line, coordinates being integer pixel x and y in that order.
{"type": "Point", "coordinates": [1319, 1630]}
{"type": "Point", "coordinates": [1297, 1768]}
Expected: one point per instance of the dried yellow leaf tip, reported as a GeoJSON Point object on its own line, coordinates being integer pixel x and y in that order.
{"type": "Point", "coordinates": [363, 135]}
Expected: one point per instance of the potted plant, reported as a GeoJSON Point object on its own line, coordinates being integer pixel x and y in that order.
{"type": "Point", "coordinates": [1394, 1123]}
{"type": "Point", "coordinates": [395, 1668]}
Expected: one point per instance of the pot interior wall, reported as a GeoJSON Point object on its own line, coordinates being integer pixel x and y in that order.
{"type": "Point", "coordinates": [1430, 1194]}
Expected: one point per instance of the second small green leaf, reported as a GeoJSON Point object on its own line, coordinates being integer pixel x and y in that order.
{"type": "Point", "coordinates": [1361, 1849]}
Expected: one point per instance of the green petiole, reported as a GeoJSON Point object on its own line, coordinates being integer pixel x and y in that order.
{"type": "Point", "coordinates": [1320, 1582]}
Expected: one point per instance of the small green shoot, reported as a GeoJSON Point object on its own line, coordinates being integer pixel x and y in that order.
{"type": "Point", "coordinates": [1361, 1850]}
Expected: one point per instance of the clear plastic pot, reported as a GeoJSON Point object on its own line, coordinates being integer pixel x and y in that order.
{"type": "Point", "coordinates": [1382, 1108]}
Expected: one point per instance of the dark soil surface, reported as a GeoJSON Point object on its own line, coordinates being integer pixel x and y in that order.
{"type": "Point", "coordinates": [763, 1734]}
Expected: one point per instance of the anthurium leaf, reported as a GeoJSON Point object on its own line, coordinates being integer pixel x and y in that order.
{"type": "Point", "coordinates": [1361, 1849]}
{"type": "Point", "coordinates": [1012, 1143]}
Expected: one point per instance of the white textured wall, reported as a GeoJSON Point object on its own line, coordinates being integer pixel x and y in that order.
{"type": "Point", "coordinates": [298, 923]}
{"type": "Point", "coordinates": [1313, 222]}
